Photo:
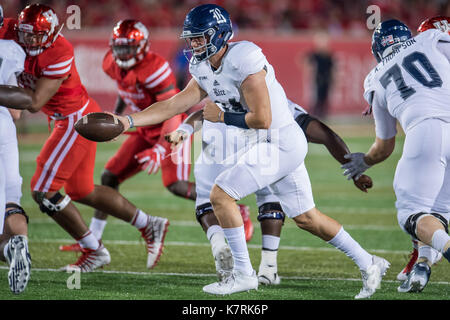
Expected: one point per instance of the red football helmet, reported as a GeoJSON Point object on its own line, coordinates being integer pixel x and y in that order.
{"type": "Point", "coordinates": [440, 22]}
{"type": "Point", "coordinates": [37, 28]}
{"type": "Point", "coordinates": [129, 43]}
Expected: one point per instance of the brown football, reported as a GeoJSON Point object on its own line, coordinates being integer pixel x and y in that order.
{"type": "Point", "coordinates": [99, 127]}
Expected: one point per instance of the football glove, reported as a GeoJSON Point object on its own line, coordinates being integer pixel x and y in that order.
{"type": "Point", "coordinates": [356, 166]}
{"type": "Point", "coordinates": [150, 159]}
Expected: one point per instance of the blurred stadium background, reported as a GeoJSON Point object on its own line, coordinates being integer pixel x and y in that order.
{"type": "Point", "coordinates": [288, 31]}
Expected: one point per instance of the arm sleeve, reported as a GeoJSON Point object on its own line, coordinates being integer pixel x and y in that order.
{"type": "Point", "coordinates": [444, 48]}
{"type": "Point", "coordinates": [251, 61]}
{"type": "Point", "coordinates": [60, 68]}
{"type": "Point", "coordinates": [385, 124]}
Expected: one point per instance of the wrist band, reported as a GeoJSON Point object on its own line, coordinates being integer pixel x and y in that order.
{"type": "Point", "coordinates": [130, 121]}
{"type": "Point", "coordinates": [235, 119]}
{"type": "Point", "coordinates": [218, 117]}
{"type": "Point", "coordinates": [186, 128]}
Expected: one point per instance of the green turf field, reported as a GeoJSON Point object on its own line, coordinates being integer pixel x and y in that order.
{"type": "Point", "coordinates": [309, 268]}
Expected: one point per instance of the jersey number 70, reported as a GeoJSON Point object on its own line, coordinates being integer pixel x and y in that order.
{"type": "Point", "coordinates": [408, 64]}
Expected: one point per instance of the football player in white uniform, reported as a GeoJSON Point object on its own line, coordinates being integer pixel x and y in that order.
{"type": "Point", "coordinates": [13, 219]}
{"type": "Point", "coordinates": [210, 164]}
{"type": "Point", "coordinates": [411, 84]}
{"type": "Point", "coordinates": [422, 252]}
{"type": "Point", "coordinates": [245, 94]}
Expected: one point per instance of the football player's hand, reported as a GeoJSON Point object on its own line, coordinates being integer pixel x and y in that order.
{"type": "Point", "coordinates": [363, 183]}
{"type": "Point", "coordinates": [356, 166]}
{"type": "Point", "coordinates": [176, 137]}
{"type": "Point", "coordinates": [180, 134]}
{"type": "Point", "coordinates": [150, 159]}
{"type": "Point", "coordinates": [212, 112]}
{"type": "Point", "coordinates": [124, 120]}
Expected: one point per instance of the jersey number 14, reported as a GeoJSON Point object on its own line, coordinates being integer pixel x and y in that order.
{"type": "Point", "coordinates": [408, 64]}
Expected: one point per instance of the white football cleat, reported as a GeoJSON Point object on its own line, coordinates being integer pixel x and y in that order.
{"type": "Point", "coordinates": [372, 277]}
{"type": "Point", "coordinates": [19, 260]}
{"type": "Point", "coordinates": [417, 278]}
{"type": "Point", "coordinates": [224, 263]}
{"type": "Point", "coordinates": [154, 233]}
{"type": "Point", "coordinates": [236, 282]}
{"type": "Point", "coordinates": [268, 275]}
{"type": "Point", "coordinates": [90, 260]}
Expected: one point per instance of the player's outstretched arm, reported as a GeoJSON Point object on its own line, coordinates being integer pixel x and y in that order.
{"type": "Point", "coordinates": [31, 100]}
{"type": "Point", "coordinates": [162, 110]}
{"type": "Point", "coordinates": [15, 98]}
{"type": "Point", "coordinates": [379, 151]}
{"type": "Point", "coordinates": [318, 132]}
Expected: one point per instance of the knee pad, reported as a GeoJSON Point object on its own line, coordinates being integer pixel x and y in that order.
{"type": "Point", "coordinates": [109, 179]}
{"type": "Point", "coordinates": [203, 209]}
{"type": "Point", "coordinates": [53, 205]}
{"type": "Point", "coordinates": [14, 209]}
{"type": "Point", "coordinates": [411, 223]}
{"type": "Point", "coordinates": [270, 210]}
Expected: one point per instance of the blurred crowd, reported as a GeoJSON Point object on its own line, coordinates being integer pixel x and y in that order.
{"type": "Point", "coordinates": [334, 16]}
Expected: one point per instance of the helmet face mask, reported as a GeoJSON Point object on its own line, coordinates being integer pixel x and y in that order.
{"type": "Point", "coordinates": [199, 46]}
{"type": "Point", "coordinates": [129, 43]}
{"type": "Point", "coordinates": [37, 28]}
{"type": "Point", "coordinates": [207, 29]}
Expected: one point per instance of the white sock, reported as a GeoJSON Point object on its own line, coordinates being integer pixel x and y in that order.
{"type": "Point", "coordinates": [216, 237]}
{"type": "Point", "coordinates": [97, 226]}
{"type": "Point", "coordinates": [5, 250]}
{"type": "Point", "coordinates": [344, 242]}
{"type": "Point", "coordinates": [269, 258]}
{"type": "Point", "coordinates": [140, 220]}
{"type": "Point", "coordinates": [439, 240]}
{"type": "Point", "coordinates": [238, 246]}
{"type": "Point", "coordinates": [88, 241]}
{"type": "Point", "coordinates": [270, 242]}
{"type": "Point", "coordinates": [428, 253]}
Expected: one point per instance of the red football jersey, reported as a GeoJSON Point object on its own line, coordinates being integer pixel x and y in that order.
{"type": "Point", "coordinates": [57, 62]}
{"type": "Point", "coordinates": [7, 32]}
{"type": "Point", "coordinates": [139, 86]}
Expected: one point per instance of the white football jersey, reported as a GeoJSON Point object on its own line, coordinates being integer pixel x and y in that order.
{"type": "Point", "coordinates": [12, 59]}
{"type": "Point", "coordinates": [413, 83]}
{"type": "Point", "coordinates": [242, 59]}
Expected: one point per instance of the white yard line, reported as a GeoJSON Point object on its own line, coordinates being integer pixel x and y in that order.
{"type": "Point", "coordinates": [212, 275]}
{"type": "Point", "coordinates": [207, 244]}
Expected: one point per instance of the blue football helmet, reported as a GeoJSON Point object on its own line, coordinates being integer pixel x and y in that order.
{"type": "Point", "coordinates": [386, 35]}
{"type": "Point", "coordinates": [213, 24]}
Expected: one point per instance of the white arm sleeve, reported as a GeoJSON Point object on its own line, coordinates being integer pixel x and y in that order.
{"type": "Point", "coordinates": [12, 80]}
{"type": "Point", "coordinates": [444, 48]}
{"type": "Point", "coordinates": [385, 124]}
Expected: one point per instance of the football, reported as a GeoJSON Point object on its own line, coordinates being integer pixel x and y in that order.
{"type": "Point", "coordinates": [99, 127]}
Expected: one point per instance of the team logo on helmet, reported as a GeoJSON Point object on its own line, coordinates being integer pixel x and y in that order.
{"type": "Point", "coordinates": [207, 29]}
{"type": "Point", "coordinates": [37, 28]}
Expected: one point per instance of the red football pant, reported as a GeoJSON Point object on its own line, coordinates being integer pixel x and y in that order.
{"type": "Point", "coordinates": [176, 166]}
{"type": "Point", "coordinates": [67, 159]}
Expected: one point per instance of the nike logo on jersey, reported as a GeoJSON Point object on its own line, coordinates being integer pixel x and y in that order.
{"type": "Point", "coordinates": [202, 78]}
